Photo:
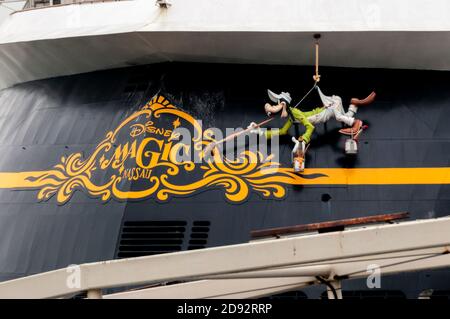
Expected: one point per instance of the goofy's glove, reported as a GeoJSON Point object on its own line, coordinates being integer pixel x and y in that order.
{"type": "Point", "coordinates": [299, 145]}
{"type": "Point", "coordinates": [255, 129]}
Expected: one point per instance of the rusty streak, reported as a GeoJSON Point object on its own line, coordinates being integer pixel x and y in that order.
{"type": "Point", "coordinates": [323, 227]}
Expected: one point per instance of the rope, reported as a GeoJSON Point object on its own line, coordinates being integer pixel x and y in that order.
{"type": "Point", "coordinates": [316, 76]}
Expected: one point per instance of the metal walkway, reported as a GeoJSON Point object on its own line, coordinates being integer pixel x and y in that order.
{"type": "Point", "coordinates": [254, 269]}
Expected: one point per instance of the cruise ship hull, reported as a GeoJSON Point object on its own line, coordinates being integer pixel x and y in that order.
{"type": "Point", "coordinates": [45, 122]}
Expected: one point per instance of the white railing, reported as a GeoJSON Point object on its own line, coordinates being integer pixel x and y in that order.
{"type": "Point", "coordinates": [253, 269]}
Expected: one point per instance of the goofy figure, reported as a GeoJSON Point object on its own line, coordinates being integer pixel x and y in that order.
{"type": "Point", "coordinates": [332, 107]}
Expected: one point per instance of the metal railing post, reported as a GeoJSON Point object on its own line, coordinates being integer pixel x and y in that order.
{"type": "Point", "coordinates": [334, 289]}
{"type": "Point", "coordinates": [94, 294]}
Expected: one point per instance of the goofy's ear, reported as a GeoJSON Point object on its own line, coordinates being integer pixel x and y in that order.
{"type": "Point", "coordinates": [284, 112]}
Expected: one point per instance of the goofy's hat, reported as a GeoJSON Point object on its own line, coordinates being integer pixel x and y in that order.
{"type": "Point", "coordinates": [279, 97]}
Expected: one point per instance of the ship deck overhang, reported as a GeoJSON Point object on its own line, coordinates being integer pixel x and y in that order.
{"type": "Point", "coordinates": [71, 39]}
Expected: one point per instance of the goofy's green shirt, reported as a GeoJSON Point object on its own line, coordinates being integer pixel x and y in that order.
{"type": "Point", "coordinates": [301, 117]}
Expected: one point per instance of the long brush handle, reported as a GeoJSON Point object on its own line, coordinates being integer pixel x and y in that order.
{"type": "Point", "coordinates": [231, 136]}
{"type": "Point", "coordinates": [210, 146]}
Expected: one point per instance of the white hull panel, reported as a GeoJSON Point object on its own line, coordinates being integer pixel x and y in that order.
{"type": "Point", "coordinates": [70, 39]}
